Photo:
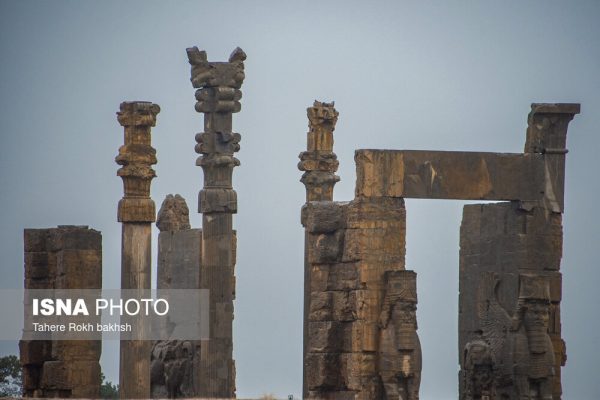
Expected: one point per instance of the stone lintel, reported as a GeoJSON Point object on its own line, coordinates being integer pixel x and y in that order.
{"type": "Point", "coordinates": [449, 175]}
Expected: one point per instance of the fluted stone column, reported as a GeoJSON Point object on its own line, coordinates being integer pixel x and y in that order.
{"type": "Point", "coordinates": [218, 96]}
{"type": "Point", "coordinates": [319, 164]}
{"type": "Point", "coordinates": [136, 212]}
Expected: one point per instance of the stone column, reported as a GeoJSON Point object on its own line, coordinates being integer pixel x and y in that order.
{"type": "Point", "coordinates": [319, 161]}
{"type": "Point", "coordinates": [136, 212]}
{"type": "Point", "coordinates": [319, 164]}
{"type": "Point", "coordinates": [218, 96]}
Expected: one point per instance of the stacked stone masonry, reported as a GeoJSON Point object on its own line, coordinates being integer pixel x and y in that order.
{"type": "Point", "coordinates": [176, 369]}
{"type": "Point", "coordinates": [510, 344]}
{"type": "Point", "coordinates": [136, 212]}
{"type": "Point", "coordinates": [218, 96]}
{"type": "Point", "coordinates": [67, 257]}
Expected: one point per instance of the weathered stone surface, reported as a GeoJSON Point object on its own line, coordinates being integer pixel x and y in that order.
{"type": "Point", "coordinates": [136, 211]}
{"type": "Point", "coordinates": [136, 157]}
{"type": "Point", "coordinates": [174, 214]}
{"type": "Point", "coordinates": [399, 361]}
{"type": "Point", "coordinates": [319, 161]}
{"type": "Point", "coordinates": [67, 257]}
{"type": "Point", "coordinates": [510, 288]}
{"type": "Point", "coordinates": [325, 247]}
{"type": "Point", "coordinates": [319, 164]}
{"type": "Point", "coordinates": [509, 258]}
{"type": "Point", "coordinates": [174, 363]}
{"type": "Point", "coordinates": [171, 369]}
{"type": "Point", "coordinates": [449, 175]}
{"type": "Point", "coordinates": [218, 96]}
{"type": "Point", "coordinates": [353, 248]}
{"type": "Point", "coordinates": [323, 216]}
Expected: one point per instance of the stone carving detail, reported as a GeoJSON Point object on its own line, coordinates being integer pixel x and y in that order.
{"type": "Point", "coordinates": [218, 96]}
{"type": "Point", "coordinates": [136, 211]}
{"type": "Point", "coordinates": [171, 369]}
{"type": "Point", "coordinates": [174, 214]}
{"type": "Point", "coordinates": [513, 357]}
{"type": "Point", "coordinates": [399, 346]}
{"type": "Point", "coordinates": [319, 161]}
{"type": "Point", "coordinates": [532, 346]}
{"type": "Point", "coordinates": [136, 157]}
{"type": "Point", "coordinates": [509, 260]}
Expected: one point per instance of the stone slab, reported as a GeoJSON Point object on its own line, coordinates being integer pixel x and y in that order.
{"type": "Point", "coordinates": [449, 175]}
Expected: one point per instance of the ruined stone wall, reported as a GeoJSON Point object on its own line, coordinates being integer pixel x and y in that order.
{"type": "Point", "coordinates": [67, 257]}
{"type": "Point", "coordinates": [174, 363]}
{"type": "Point", "coordinates": [499, 244]}
{"type": "Point", "coordinates": [351, 248]}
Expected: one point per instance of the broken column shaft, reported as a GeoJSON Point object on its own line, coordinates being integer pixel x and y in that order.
{"type": "Point", "coordinates": [218, 96]}
{"type": "Point", "coordinates": [136, 212]}
{"type": "Point", "coordinates": [319, 164]}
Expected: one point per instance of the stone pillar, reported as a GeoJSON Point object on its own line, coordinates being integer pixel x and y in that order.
{"type": "Point", "coordinates": [174, 363]}
{"type": "Point", "coordinates": [509, 266]}
{"type": "Point", "coordinates": [354, 249]}
{"type": "Point", "coordinates": [319, 161]}
{"type": "Point", "coordinates": [136, 212]}
{"type": "Point", "coordinates": [319, 164]}
{"type": "Point", "coordinates": [218, 96]}
{"type": "Point", "coordinates": [67, 257]}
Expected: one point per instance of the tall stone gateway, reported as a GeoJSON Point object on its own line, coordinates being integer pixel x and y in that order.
{"type": "Point", "coordinates": [218, 96]}
{"type": "Point", "coordinates": [510, 344]}
{"type": "Point", "coordinates": [356, 348]}
{"type": "Point", "coordinates": [67, 257]}
{"type": "Point", "coordinates": [136, 212]}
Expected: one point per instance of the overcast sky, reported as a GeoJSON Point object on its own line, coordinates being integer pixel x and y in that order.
{"type": "Point", "coordinates": [440, 75]}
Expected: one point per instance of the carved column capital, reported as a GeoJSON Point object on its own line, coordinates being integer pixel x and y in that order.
{"type": "Point", "coordinates": [547, 135]}
{"type": "Point", "coordinates": [319, 161]}
{"type": "Point", "coordinates": [136, 157]}
{"type": "Point", "coordinates": [547, 127]}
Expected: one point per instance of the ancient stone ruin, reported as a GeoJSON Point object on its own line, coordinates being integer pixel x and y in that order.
{"type": "Point", "coordinates": [361, 337]}
{"type": "Point", "coordinates": [360, 325]}
{"type": "Point", "coordinates": [66, 257]}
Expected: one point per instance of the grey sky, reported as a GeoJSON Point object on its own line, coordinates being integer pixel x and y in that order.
{"type": "Point", "coordinates": [442, 75]}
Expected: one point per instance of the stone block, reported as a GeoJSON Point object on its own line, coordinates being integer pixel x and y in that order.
{"type": "Point", "coordinates": [324, 216]}
{"type": "Point", "coordinates": [323, 371]}
{"type": "Point", "coordinates": [179, 259]}
{"type": "Point", "coordinates": [345, 305]}
{"type": "Point", "coordinates": [319, 277]}
{"type": "Point", "coordinates": [449, 175]}
{"type": "Point", "coordinates": [37, 265]}
{"type": "Point", "coordinates": [325, 337]}
{"type": "Point", "coordinates": [325, 248]}
{"type": "Point", "coordinates": [56, 375]}
{"type": "Point", "coordinates": [321, 306]}
{"type": "Point", "coordinates": [80, 269]}
{"type": "Point", "coordinates": [73, 237]}
{"type": "Point", "coordinates": [343, 276]}
{"type": "Point", "coordinates": [377, 245]}
{"type": "Point", "coordinates": [34, 352]}
{"type": "Point", "coordinates": [373, 213]}
{"type": "Point", "coordinates": [76, 350]}
{"type": "Point", "coordinates": [84, 374]}
{"type": "Point", "coordinates": [31, 376]}
{"type": "Point", "coordinates": [35, 240]}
